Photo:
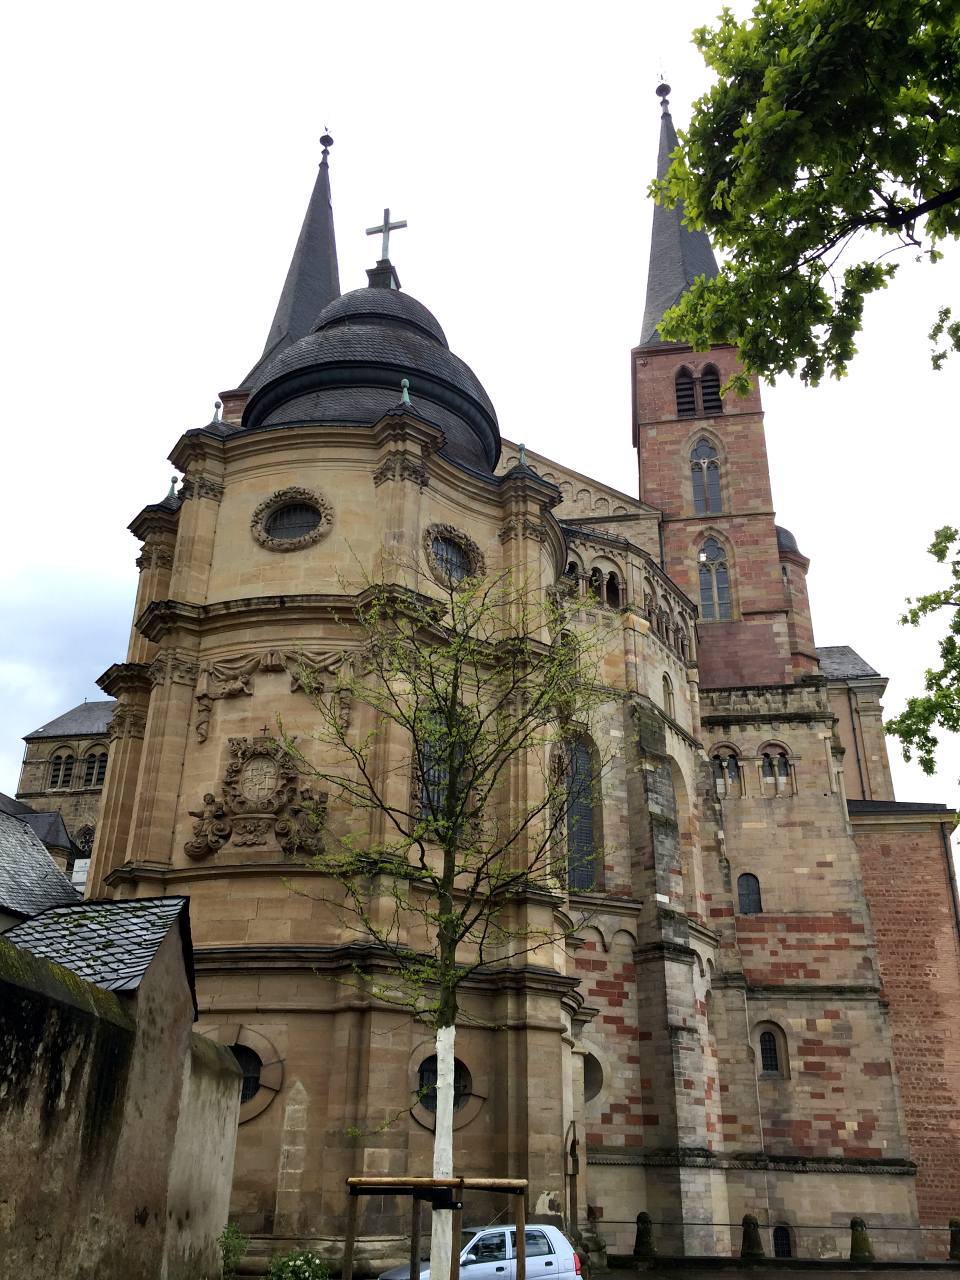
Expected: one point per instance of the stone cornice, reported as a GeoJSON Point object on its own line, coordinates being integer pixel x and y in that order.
{"type": "Point", "coordinates": [798, 990]}
{"type": "Point", "coordinates": [125, 678]}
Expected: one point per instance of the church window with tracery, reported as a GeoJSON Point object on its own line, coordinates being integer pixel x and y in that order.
{"type": "Point", "coordinates": [94, 768]}
{"type": "Point", "coordinates": [61, 771]}
{"type": "Point", "coordinates": [705, 473]}
{"type": "Point", "coordinates": [715, 603]}
{"type": "Point", "coordinates": [581, 849]}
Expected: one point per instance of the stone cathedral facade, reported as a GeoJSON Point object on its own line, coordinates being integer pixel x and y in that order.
{"type": "Point", "coordinates": [762, 1014]}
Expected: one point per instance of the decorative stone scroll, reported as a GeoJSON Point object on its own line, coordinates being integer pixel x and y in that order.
{"type": "Point", "coordinates": [401, 466]}
{"type": "Point", "coordinates": [522, 526]}
{"type": "Point", "coordinates": [263, 805]}
{"type": "Point", "coordinates": [233, 677]}
{"type": "Point", "coordinates": [201, 487]}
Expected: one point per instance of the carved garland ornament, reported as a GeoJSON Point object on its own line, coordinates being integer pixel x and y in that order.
{"type": "Point", "coordinates": [477, 563]}
{"type": "Point", "coordinates": [232, 677]}
{"type": "Point", "coordinates": [262, 514]}
{"type": "Point", "coordinates": [263, 804]}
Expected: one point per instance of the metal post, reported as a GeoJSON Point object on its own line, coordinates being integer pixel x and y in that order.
{"type": "Point", "coordinates": [415, 1239]}
{"type": "Point", "coordinates": [521, 1238]}
{"type": "Point", "coordinates": [353, 1203]}
{"type": "Point", "coordinates": [456, 1231]}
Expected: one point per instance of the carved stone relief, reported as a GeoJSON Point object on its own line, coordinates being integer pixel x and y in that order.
{"type": "Point", "coordinates": [127, 722]}
{"type": "Point", "coordinates": [201, 487]}
{"type": "Point", "coordinates": [401, 466]}
{"type": "Point", "coordinates": [233, 677]}
{"type": "Point", "coordinates": [263, 805]}
{"type": "Point", "coordinates": [522, 526]}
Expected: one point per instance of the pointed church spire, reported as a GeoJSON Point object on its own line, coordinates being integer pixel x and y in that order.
{"type": "Point", "coordinates": [313, 278]}
{"type": "Point", "coordinates": [678, 254]}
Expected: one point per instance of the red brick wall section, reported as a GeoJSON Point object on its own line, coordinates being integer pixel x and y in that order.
{"type": "Point", "coordinates": [907, 886]}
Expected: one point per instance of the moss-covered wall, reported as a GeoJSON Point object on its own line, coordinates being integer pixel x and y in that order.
{"type": "Point", "coordinates": [103, 1105]}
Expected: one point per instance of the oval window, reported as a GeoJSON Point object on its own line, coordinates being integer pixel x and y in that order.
{"type": "Point", "coordinates": [294, 520]}
{"type": "Point", "coordinates": [452, 559]}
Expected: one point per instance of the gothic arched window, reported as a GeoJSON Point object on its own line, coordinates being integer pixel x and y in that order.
{"type": "Point", "coordinates": [581, 846]}
{"type": "Point", "coordinates": [94, 768]}
{"type": "Point", "coordinates": [705, 473]}
{"type": "Point", "coordinates": [769, 1053]}
{"type": "Point", "coordinates": [710, 392]}
{"type": "Point", "coordinates": [61, 770]}
{"type": "Point", "coordinates": [714, 582]}
{"type": "Point", "coordinates": [748, 895]}
{"type": "Point", "coordinates": [686, 394]}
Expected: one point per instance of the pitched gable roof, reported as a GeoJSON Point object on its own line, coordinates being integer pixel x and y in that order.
{"type": "Point", "coordinates": [30, 880]}
{"type": "Point", "coordinates": [86, 720]}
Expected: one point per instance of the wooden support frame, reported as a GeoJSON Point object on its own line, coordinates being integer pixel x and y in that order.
{"type": "Point", "coordinates": [445, 1194]}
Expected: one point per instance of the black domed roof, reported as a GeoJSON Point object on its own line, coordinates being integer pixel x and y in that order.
{"type": "Point", "coordinates": [349, 369]}
{"type": "Point", "coordinates": [786, 541]}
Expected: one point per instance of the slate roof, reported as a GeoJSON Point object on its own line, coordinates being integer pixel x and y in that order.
{"type": "Point", "coordinates": [895, 806]}
{"type": "Point", "coordinates": [313, 277]}
{"type": "Point", "coordinates": [30, 880]}
{"type": "Point", "coordinates": [16, 807]}
{"type": "Point", "coordinates": [87, 720]}
{"type": "Point", "coordinates": [840, 662]}
{"type": "Point", "coordinates": [110, 943]}
{"type": "Point", "coordinates": [678, 254]}
{"type": "Point", "coordinates": [50, 828]}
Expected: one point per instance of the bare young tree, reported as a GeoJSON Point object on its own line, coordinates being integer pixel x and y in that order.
{"type": "Point", "coordinates": [448, 733]}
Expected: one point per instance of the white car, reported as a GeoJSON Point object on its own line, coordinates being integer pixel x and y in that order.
{"type": "Point", "coordinates": [490, 1253]}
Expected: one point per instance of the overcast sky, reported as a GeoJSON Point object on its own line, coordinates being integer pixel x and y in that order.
{"type": "Point", "coordinates": [157, 164]}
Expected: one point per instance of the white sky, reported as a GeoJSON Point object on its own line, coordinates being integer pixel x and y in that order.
{"type": "Point", "coordinates": [158, 161]}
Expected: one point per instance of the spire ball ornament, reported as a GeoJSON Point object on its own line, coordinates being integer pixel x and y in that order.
{"type": "Point", "coordinates": [663, 93]}
{"type": "Point", "coordinates": [326, 142]}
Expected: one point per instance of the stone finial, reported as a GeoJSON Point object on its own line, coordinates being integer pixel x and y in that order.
{"type": "Point", "coordinates": [954, 1254]}
{"type": "Point", "coordinates": [404, 390]}
{"type": "Point", "coordinates": [663, 93]}
{"type": "Point", "coordinates": [860, 1247]}
{"type": "Point", "coordinates": [173, 487]}
{"type": "Point", "coordinates": [751, 1246]}
{"type": "Point", "coordinates": [643, 1246]}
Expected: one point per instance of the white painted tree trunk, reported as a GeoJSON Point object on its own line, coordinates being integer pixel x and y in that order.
{"type": "Point", "coordinates": [441, 1239]}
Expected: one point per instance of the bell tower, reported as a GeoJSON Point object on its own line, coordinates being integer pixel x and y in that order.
{"type": "Point", "coordinates": [703, 464]}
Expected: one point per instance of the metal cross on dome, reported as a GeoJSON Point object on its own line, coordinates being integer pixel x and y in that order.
{"type": "Point", "coordinates": [384, 229]}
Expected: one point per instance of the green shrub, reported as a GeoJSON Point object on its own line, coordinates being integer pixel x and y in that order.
{"type": "Point", "coordinates": [233, 1245]}
{"type": "Point", "coordinates": [299, 1265]}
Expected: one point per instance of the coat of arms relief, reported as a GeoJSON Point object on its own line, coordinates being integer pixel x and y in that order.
{"type": "Point", "coordinates": [263, 806]}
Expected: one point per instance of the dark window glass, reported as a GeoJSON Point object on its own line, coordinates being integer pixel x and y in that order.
{"type": "Point", "coordinates": [769, 1054]}
{"type": "Point", "coordinates": [535, 1243]}
{"type": "Point", "coordinates": [713, 487]}
{"type": "Point", "coordinates": [250, 1064]}
{"type": "Point", "coordinates": [95, 769]}
{"type": "Point", "coordinates": [56, 768]}
{"type": "Point", "coordinates": [699, 489]}
{"type": "Point", "coordinates": [66, 771]}
{"type": "Point", "coordinates": [708, 608]}
{"type": "Point", "coordinates": [686, 399]}
{"type": "Point", "coordinates": [427, 1083]}
{"type": "Point", "coordinates": [295, 520]}
{"type": "Point", "coordinates": [710, 391]}
{"type": "Point", "coordinates": [490, 1248]}
{"type": "Point", "coordinates": [452, 558]}
{"type": "Point", "coordinates": [782, 1247]}
{"type": "Point", "coordinates": [580, 851]}
{"type": "Point", "coordinates": [748, 892]}
{"type": "Point", "coordinates": [715, 599]}
{"type": "Point", "coordinates": [705, 471]}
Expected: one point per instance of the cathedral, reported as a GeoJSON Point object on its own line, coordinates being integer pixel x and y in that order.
{"type": "Point", "coordinates": [762, 1014]}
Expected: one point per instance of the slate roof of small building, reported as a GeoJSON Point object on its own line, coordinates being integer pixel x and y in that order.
{"type": "Point", "coordinates": [50, 828]}
{"type": "Point", "coordinates": [110, 943]}
{"type": "Point", "coordinates": [895, 806]}
{"type": "Point", "coordinates": [89, 718]}
{"type": "Point", "coordinates": [840, 662]}
{"type": "Point", "coordinates": [16, 807]}
{"type": "Point", "coordinates": [30, 880]}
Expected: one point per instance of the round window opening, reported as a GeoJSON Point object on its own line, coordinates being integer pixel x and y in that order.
{"type": "Point", "coordinates": [427, 1084]}
{"type": "Point", "coordinates": [250, 1064]}
{"type": "Point", "coordinates": [291, 521]}
{"type": "Point", "coordinates": [592, 1077]}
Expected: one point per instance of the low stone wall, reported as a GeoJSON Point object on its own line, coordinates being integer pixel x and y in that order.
{"type": "Point", "coordinates": [95, 1180]}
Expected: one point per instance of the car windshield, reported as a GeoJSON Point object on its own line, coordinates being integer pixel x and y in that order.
{"type": "Point", "coordinates": [466, 1235]}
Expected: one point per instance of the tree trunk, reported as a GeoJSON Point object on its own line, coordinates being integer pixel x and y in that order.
{"type": "Point", "coordinates": [442, 1243]}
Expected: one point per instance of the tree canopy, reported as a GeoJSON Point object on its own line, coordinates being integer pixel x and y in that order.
{"type": "Point", "coordinates": [829, 143]}
{"type": "Point", "coordinates": [939, 706]}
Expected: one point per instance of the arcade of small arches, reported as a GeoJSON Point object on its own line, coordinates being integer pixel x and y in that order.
{"type": "Point", "coordinates": [64, 775]}
{"type": "Point", "coordinates": [775, 771]}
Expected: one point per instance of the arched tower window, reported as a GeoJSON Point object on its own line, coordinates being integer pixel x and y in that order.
{"type": "Point", "coordinates": [94, 768]}
{"type": "Point", "coordinates": [726, 772]}
{"type": "Point", "coordinates": [714, 582]}
{"type": "Point", "coordinates": [61, 770]}
{"type": "Point", "coordinates": [769, 1052]}
{"type": "Point", "coordinates": [710, 392]}
{"type": "Point", "coordinates": [770, 1049]}
{"type": "Point", "coordinates": [686, 394]}
{"type": "Point", "coordinates": [705, 473]}
{"type": "Point", "coordinates": [669, 705]}
{"type": "Point", "coordinates": [581, 837]}
{"type": "Point", "coordinates": [748, 895]}
{"type": "Point", "coordinates": [613, 593]}
{"type": "Point", "coordinates": [775, 772]}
